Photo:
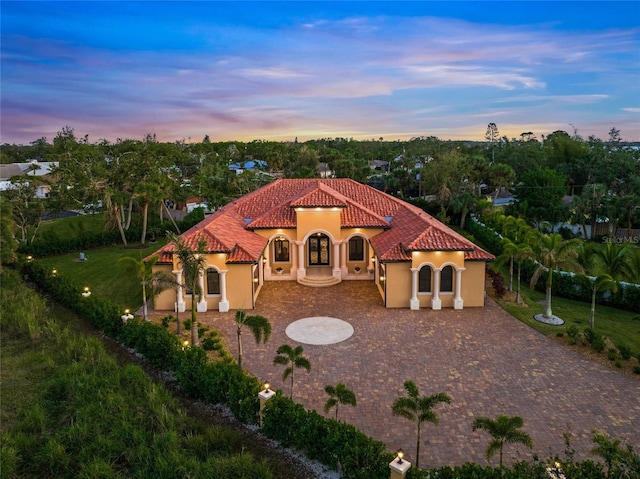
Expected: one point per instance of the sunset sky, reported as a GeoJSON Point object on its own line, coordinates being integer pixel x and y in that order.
{"type": "Point", "coordinates": [281, 70]}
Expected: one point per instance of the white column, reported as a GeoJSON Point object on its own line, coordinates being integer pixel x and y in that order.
{"type": "Point", "coordinates": [436, 303]}
{"type": "Point", "coordinates": [337, 270]}
{"type": "Point", "coordinates": [414, 303]}
{"type": "Point", "coordinates": [343, 259]}
{"type": "Point", "coordinates": [457, 300]}
{"type": "Point", "coordinates": [179, 298]}
{"type": "Point", "coordinates": [201, 307]}
{"type": "Point", "coordinates": [223, 305]}
{"type": "Point", "coordinates": [301, 270]}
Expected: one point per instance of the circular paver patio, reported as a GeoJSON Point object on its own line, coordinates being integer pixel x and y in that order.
{"type": "Point", "coordinates": [319, 330]}
{"type": "Point", "coordinates": [488, 363]}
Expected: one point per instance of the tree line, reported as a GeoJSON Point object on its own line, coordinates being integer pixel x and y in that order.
{"type": "Point", "coordinates": [131, 180]}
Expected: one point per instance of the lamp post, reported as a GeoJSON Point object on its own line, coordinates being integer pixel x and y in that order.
{"type": "Point", "coordinates": [399, 466]}
{"type": "Point", "coordinates": [126, 316]}
{"type": "Point", "coordinates": [265, 395]}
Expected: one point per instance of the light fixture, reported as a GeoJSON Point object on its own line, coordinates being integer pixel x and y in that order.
{"type": "Point", "coordinates": [185, 344]}
{"type": "Point", "coordinates": [86, 293]}
{"type": "Point", "coordinates": [29, 258]}
{"type": "Point", "coordinates": [54, 271]}
{"type": "Point", "coordinates": [267, 386]}
{"type": "Point", "coordinates": [264, 260]}
{"type": "Point", "coordinates": [400, 456]}
{"type": "Point", "coordinates": [255, 280]}
{"type": "Point", "coordinates": [126, 316]}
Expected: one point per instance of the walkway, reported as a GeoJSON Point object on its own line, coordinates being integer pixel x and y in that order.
{"type": "Point", "coordinates": [487, 361]}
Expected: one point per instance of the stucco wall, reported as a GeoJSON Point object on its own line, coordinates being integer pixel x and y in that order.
{"type": "Point", "coordinates": [473, 287]}
{"type": "Point", "coordinates": [398, 285]}
{"type": "Point", "coordinates": [314, 219]}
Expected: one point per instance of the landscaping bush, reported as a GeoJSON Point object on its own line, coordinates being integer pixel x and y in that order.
{"type": "Point", "coordinates": [625, 351]}
{"type": "Point", "coordinates": [497, 281]}
{"type": "Point", "coordinates": [337, 444]}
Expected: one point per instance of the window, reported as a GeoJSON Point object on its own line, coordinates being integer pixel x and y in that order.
{"type": "Point", "coordinates": [281, 249]}
{"type": "Point", "coordinates": [213, 281]}
{"type": "Point", "coordinates": [424, 279]}
{"type": "Point", "coordinates": [356, 249]}
{"type": "Point", "coordinates": [446, 279]}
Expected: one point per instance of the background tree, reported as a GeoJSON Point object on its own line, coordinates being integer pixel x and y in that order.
{"type": "Point", "coordinates": [552, 253]}
{"type": "Point", "coordinates": [503, 429]}
{"type": "Point", "coordinates": [418, 409]}
{"type": "Point", "coordinates": [339, 395]}
{"type": "Point", "coordinates": [8, 243]}
{"type": "Point", "coordinates": [492, 135]}
{"type": "Point", "coordinates": [259, 326]}
{"type": "Point", "coordinates": [292, 358]}
{"type": "Point", "coordinates": [539, 195]}
{"type": "Point", "coordinates": [612, 259]}
{"type": "Point", "coordinates": [193, 264]}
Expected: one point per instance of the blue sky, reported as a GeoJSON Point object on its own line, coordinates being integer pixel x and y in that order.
{"type": "Point", "coordinates": [281, 70]}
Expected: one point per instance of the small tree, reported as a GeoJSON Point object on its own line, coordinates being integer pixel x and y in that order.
{"type": "Point", "coordinates": [553, 252]}
{"type": "Point", "coordinates": [339, 394]}
{"type": "Point", "coordinates": [503, 429]}
{"type": "Point", "coordinates": [601, 283]}
{"type": "Point", "coordinates": [418, 408]}
{"type": "Point", "coordinates": [259, 326]}
{"type": "Point", "coordinates": [152, 282]}
{"type": "Point", "coordinates": [292, 358]}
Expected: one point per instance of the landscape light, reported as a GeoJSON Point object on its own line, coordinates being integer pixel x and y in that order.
{"type": "Point", "coordinates": [400, 456]}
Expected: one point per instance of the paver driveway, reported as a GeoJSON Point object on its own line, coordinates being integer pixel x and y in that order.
{"type": "Point", "coordinates": [487, 361]}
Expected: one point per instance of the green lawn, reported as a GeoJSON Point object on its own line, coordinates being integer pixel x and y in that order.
{"type": "Point", "coordinates": [74, 225]}
{"type": "Point", "coordinates": [615, 324]}
{"type": "Point", "coordinates": [102, 274]}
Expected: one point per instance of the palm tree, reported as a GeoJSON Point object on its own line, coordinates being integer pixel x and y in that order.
{"type": "Point", "coordinates": [613, 259]}
{"type": "Point", "coordinates": [153, 282]}
{"type": "Point", "coordinates": [418, 408]}
{"type": "Point", "coordinates": [600, 283]}
{"type": "Point", "coordinates": [509, 251]}
{"type": "Point", "coordinates": [553, 252]}
{"type": "Point", "coordinates": [259, 326]}
{"type": "Point", "coordinates": [339, 394]}
{"type": "Point", "coordinates": [523, 253]}
{"type": "Point", "coordinates": [292, 358]}
{"type": "Point", "coordinates": [193, 263]}
{"type": "Point", "coordinates": [503, 429]}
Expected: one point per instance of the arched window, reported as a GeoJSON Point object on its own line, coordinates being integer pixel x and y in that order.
{"type": "Point", "coordinates": [424, 279]}
{"type": "Point", "coordinates": [356, 249]}
{"type": "Point", "coordinates": [281, 249]}
{"type": "Point", "coordinates": [213, 281]}
{"type": "Point", "coordinates": [446, 279]}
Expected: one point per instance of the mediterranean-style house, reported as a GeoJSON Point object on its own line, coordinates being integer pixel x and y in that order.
{"type": "Point", "coordinates": [320, 232]}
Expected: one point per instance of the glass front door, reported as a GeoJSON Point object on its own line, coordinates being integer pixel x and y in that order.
{"type": "Point", "coordinates": [319, 247]}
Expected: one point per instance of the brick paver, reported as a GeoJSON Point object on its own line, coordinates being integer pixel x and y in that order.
{"type": "Point", "coordinates": [487, 361]}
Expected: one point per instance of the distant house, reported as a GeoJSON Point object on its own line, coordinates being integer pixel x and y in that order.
{"type": "Point", "coordinates": [32, 168]}
{"type": "Point", "coordinates": [320, 232]}
{"type": "Point", "coordinates": [249, 165]}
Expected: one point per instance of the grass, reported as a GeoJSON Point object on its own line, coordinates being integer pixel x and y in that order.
{"type": "Point", "coordinates": [615, 324]}
{"type": "Point", "coordinates": [74, 225]}
{"type": "Point", "coordinates": [102, 274]}
{"type": "Point", "coordinates": [69, 410]}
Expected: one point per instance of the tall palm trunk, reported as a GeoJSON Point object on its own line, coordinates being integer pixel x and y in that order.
{"type": "Point", "coordinates": [239, 332]}
{"type": "Point", "coordinates": [194, 322]}
{"type": "Point", "coordinates": [547, 304]}
{"type": "Point", "coordinates": [418, 448]}
{"type": "Point", "coordinates": [145, 214]}
{"type": "Point", "coordinates": [145, 312]}
{"type": "Point", "coordinates": [592, 316]}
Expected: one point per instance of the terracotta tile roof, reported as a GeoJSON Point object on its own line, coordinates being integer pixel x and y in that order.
{"type": "Point", "coordinates": [406, 227]}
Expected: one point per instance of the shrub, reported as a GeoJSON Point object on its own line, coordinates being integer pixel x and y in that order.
{"type": "Point", "coordinates": [497, 281]}
{"type": "Point", "coordinates": [636, 370]}
{"type": "Point", "coordinates": [618, 363]}
{"type": "Point", "coordinates": [625, 351]}
{"type": "Point", "coordinates": [598, 344]}
{"type": "Point", "coordinates": [612, 354]}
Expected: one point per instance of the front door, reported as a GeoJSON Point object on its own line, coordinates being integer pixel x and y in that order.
{"type": "Point", "coordinates": [319, 250]}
